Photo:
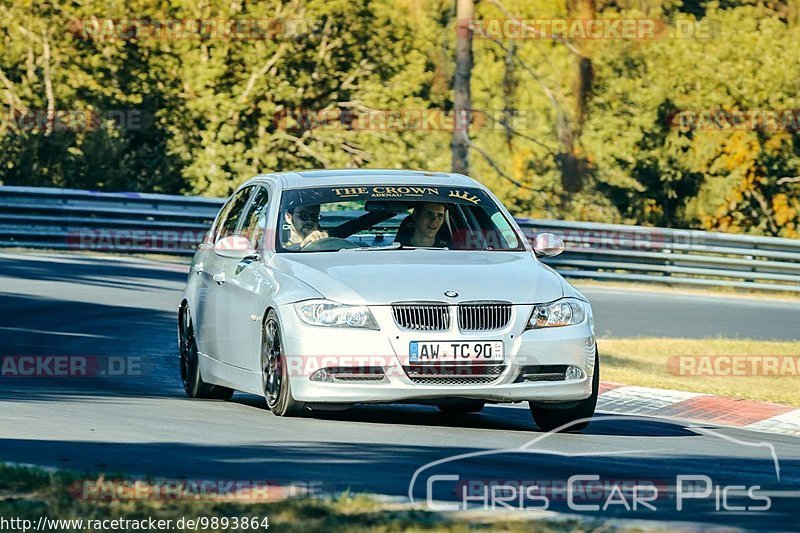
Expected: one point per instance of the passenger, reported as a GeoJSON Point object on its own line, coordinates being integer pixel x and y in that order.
{"type": "Point", "coordinates": [423, 226]}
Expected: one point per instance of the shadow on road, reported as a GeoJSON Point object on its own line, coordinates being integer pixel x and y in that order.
{"type": "Point", "coordinates": [105, 273]}
{"type": "Point", "coordinates": [140, 341]}
{"type": "Point", "coordinates": [491, 417]}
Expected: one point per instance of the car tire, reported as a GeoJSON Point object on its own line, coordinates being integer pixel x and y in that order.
{"type": "Point", "coordinates": [551, 418]}
{"type": "Point", "coordinates": [275, 381]}
{"type": "Point", "coordinates": [461, 407]}
{"type": "Point", "coordinates": [189, 361]}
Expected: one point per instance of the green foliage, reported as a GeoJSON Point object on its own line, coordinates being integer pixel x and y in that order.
{"type": "Point", "coordinates": [211, 112]}
{"type": "Point", "coordinates": [659, 170]}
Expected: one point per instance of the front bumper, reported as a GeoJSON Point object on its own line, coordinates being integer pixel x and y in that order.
{"type": "Point", "coordinates": [309, 348]}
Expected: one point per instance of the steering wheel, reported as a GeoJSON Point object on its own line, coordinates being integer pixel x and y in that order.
{"type": "Point", "coordinates": [329, 243]}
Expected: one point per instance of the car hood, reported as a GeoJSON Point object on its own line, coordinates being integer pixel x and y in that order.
{"type": "Point", "coordinates": [383, 277]}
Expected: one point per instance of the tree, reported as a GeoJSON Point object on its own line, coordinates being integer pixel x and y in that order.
{"type": "Point", "coordinates": [462, 99]}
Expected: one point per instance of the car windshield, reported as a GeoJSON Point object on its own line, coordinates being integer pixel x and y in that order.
{"type": "Point", "coordinates": [392, 217]}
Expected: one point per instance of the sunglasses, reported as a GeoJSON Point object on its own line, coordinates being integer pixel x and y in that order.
{"type": "Point", "coordinates": [308, 217]}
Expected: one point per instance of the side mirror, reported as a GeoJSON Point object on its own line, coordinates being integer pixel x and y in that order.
{"type": "Point", "coordinates": [547, 245]}
{"type": "Point", "coordinates": [235, 247]}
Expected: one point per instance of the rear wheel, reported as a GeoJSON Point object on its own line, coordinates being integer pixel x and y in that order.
{"type": "Point", "coordinates": [193, 382]}
{"type": "Point", "coordinates": [461, 407]}
{"type": "Point", "coordinates": [550, 418]}
{"type": "Point", "coordinates": [275, 372]}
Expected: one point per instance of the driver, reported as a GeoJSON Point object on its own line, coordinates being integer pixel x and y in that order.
{"type": "Point", "coordinates": [303, 224]}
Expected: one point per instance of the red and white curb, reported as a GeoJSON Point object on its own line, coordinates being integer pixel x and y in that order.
{"type": "Point", "coordinates": [697, 407]}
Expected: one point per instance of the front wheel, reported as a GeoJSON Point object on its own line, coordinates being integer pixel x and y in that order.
{"type": "Point", "coordinates": [550, 418]}
{"type": "Point", "coordinates": [275, 372]}
{"type": "Point", "coordinates": [189, 361]}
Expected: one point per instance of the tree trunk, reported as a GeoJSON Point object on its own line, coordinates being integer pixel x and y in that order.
{"type": "Point", "coordinates": [574, 168]}
{"type": "Point", "coordinates": [462, 100]}
{"type": "Point", "coordinates": [584, 71]}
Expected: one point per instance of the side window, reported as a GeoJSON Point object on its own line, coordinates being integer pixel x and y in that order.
{"type": "Point", "coordinates": [221, 216]}
{"type": "Point", "coordinates": [229, 219]}
{"type": "Point", "coordinates": [255, 221]}
{"type": "Point", "coordinates": [506, 231]}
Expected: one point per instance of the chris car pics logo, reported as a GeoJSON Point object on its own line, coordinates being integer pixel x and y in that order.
{"type": "Point", "coordinates": [450, 484]}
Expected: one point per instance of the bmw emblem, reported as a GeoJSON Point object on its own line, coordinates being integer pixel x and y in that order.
{"type": "Point", "coordinates": [450, 294]}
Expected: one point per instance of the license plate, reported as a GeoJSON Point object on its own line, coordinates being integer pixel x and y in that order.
{"type": "Point", "coordinates": [455, 351]}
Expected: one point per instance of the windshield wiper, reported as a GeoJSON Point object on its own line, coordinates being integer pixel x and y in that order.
{"type": "Point", "coordinates": [393, 246]}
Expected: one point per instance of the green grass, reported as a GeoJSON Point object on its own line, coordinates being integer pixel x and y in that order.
{"type": "Point", "coordinates": [644, 362]}
{"type": "Point", "coordinates": [29, 493]}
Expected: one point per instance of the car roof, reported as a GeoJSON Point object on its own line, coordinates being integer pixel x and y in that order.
{"type": "Point", "coordinates": [325, 178]}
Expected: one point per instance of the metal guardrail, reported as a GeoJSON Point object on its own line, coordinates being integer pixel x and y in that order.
{"type": "Point", "coordinates": [84, 220]}
{"type": "Point", "coordinates": [154, 223]}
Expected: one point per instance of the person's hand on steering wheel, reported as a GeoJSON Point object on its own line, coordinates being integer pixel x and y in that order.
{"type": "Point", "coordinates": [313, 236]}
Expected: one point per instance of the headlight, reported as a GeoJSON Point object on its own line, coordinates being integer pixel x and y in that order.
{"type": "Point", "coordinates": [563, 312]}
{"type": "Point", "coordinates": [325, 313]}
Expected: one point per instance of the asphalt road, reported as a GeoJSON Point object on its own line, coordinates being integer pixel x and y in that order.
{"type": "Point", "coordinates": [141, 423]}
{"type": "Point", "coordinates": [641, 313]}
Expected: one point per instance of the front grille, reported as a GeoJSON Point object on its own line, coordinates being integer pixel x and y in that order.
{"type": "Point", "coordinates": [453, 374]}
{"type": "Point", "coordinates": [474, 380]}
{"type": "Point", "coordinates": [422, 317]}
{"type": "Point", "coordinates": [483, 316]}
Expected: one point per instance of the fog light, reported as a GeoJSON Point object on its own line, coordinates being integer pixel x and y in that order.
{"type": "Point", "coordinates": [322, 375]}
{"type": "Point", "coordinates": [573, 372]}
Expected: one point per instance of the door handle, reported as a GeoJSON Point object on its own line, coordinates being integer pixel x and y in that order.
{"type": "Point", "coordinates": [198, 268]}
{"type": "Point", "coordinates": [219, 277]}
